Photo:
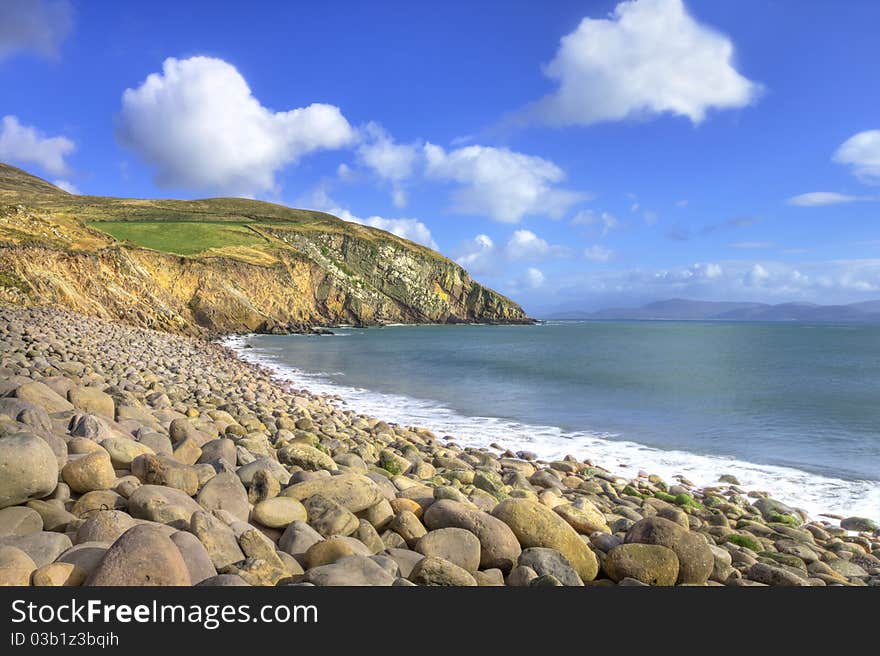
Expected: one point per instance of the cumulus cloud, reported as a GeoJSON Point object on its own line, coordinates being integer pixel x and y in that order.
{"type": "Point", "coordinates": [406, 228]}
{"type": "Point", "coordinates": [502, 184]}
{"type": "Point", "coordinates": [200, 126]}
{"type": "Point", "coordinates": [534, 278]}
{"type": "Point", "coordinates": [37, 25]}
{"type": "Point", "coordinates": [526, 245]}
{"type": "Point", "coordinates": [861, 152]}
{"type": "Point", "coordinates": [24, 144]}
{"type": "Point", "coordinates": [604, 220]}
{"type": "Point", "coordinates": [649, 57]}
{"type": "Point", "coordinates": [391, 161]}
{"type": "Point", "coordinates": [819, 198]}
{"type": "Point", "coordinates": [597, 253]}
{"type": "Point", "coordinates": [477, 255]}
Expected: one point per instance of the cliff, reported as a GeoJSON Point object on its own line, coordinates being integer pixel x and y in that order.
{"type": "Point", "coordinates": [222, 265]}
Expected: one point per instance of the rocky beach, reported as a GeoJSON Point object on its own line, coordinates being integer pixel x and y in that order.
{"type": "Point", "coordinates": [130, 456]}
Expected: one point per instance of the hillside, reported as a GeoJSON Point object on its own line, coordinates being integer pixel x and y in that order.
{"type": "Point", "coordinates": [684, 310]}
{"type": "Point", "coordinates": [222, 265]}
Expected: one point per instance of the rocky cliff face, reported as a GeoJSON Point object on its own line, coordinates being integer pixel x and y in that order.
{"type": "Point", "coordinates": [316, 270]}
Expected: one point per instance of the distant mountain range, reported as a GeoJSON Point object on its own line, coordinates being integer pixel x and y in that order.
{"type": "Point", "coordinates": [678, 309]}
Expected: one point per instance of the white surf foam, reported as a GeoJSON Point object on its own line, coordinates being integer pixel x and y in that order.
{"type": "Point", "coordinates": [812, 493]}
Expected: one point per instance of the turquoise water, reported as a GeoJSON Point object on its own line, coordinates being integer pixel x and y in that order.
{"type": "Point", "coordinates": [781, 404]}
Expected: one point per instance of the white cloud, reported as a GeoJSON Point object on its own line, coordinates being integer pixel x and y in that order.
{"type": "Point", "coordinates": [500, 183]}
{"type": "Point", "coordinates": [649, 57]}
{"type": "Point", "coordinates": [477, 255]}
{"type": "Point", "coordinates": [200, 126]}
{"type": "Point", "coordinates": [526, 245]}
{"type": "Point", "coordinates": [756, 276]}
{"type": "Point", "coordinates": [406, 228]}
{"type": "Point", "coordinates": [534, 278]}
{"type": "Point", "coordinates": [818, 198]}
{"type": "Point", "coordinates": [67, 186]}
{"type": "Point", "coordinates": [598, 254]}
{"type": "Point", "coordinates": [391, 161]}
{"type": "Point", "coordinates": [650, 217]}
{"type": "Point", "coordinates": [25, 145]}
{"type": "Point", "coordinates": [606, 220]}
{"type": "Point", "coordinates": [38, 25]}
{"type": "Point", "coordinates": [862, 153]}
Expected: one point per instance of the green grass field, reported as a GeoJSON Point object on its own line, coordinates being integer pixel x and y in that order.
{"type": "Point", "coordinates": [181, 237]}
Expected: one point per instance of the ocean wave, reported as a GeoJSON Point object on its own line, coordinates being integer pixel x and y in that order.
{"type": "Point", "coordinates": [813, 493]}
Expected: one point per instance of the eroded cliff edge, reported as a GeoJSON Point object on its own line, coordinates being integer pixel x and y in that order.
{"type": "Point", "coordinates": [258, 266]}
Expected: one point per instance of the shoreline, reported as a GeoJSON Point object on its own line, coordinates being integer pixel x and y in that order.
{"type": "Point", "coordinates": [223, 474]}
{"type": "Point", "coordinates": [621, 457]}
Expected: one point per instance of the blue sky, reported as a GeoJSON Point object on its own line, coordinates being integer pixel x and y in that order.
{"type": "Point", "coordinates": [569, 154]}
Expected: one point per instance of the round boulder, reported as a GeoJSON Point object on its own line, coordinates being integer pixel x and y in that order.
{"type": "Point", "coordinates": [143, 556]}
{"type": "Point", "coordinates": [456, 545]}
{"type": "Point", "coordinates": [93, 471]}
{"type": "Point", "coordinates": [695, 559]}
{"type": "Point", "coordinates": [28, 469]}
{"type": "Point", "coordinates": [653, 564]}
{"type": "Point", "coordinates": [536, 525]}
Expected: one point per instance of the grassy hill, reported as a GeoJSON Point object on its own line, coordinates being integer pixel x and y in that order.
{"type": "Point", "coordinates": [222, 264]}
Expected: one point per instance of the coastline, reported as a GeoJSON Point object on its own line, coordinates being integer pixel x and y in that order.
{"type": "Point", "coordinates": [819, 495]}
{"type": "Point", "coordinates": [279, 486]}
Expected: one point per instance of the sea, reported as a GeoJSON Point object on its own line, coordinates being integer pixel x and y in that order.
{"type": "Point", "coordinates": [788, 408]}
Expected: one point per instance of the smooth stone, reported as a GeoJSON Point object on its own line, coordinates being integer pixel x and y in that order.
{"type": "Point", "coordinates": [143, 556]}
{"type": "Point", "coordinates": [406, 560]}
{"type": "Point", "coordinates": [223, 581]}
{"type": "Point", "coordinates": [584, 517]}
{"type": "Point", "coordinates": [123, 451]}
{"type": "Point", "coordinates": [162, 504]}
{"type": "Point", "coordinates": [652, 564]}
{"type": "Point", "coordinates": [16, 566]}
{"type": "Point", "coordinates": [105, 526]}
{"type": "Point", "coordinates": [695, 559]}
{"type": "Point", "coordinates": [166, 472]}
{"type": "Point", "coordinates": [43, 547]}
{"type": "Point", "coordinates": [279, 512]}
{"type": "Point", "coordinates": [774, 575]}
{"type": "Point", "coordinates": [43, 396]}
{"type": "Point", "coordinates": [218, 539]}
{"type": "Point", "coordinates": [433, 571]}
{"type": "Point", "coordinates": [536, 525]}
{"type": "Point", "coordinates": [198, 561]}
{"type": "Point", "coordinates": [19, 520]}
{"type": "Point", "coordinates": [297, 538]}
{"type": "Point", "coordinates": [58, 575]}
{"type": "Point", "coordinates": [92, 400]}
{"type": "Point", "coordinates": [546, 561]}
{"type": "Point", "coordinates": [352, 491]}
{"type": "Point", "coordinates": [28, 469]}
{"type": "Point", "coordinates": [307, 457]}
{"type": "Point", "coordinates": [328, 517]}
{"type": "Point", "coordinates": [93, 471]}
{"type": "Point", "coordinates": [499, 547]}
{"type": "Point", "coordinates": [350, 571]}
{"type": "Point", "coordinates": [456, 545]}
{"type": "Point", "coordinates": [225, 491]}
